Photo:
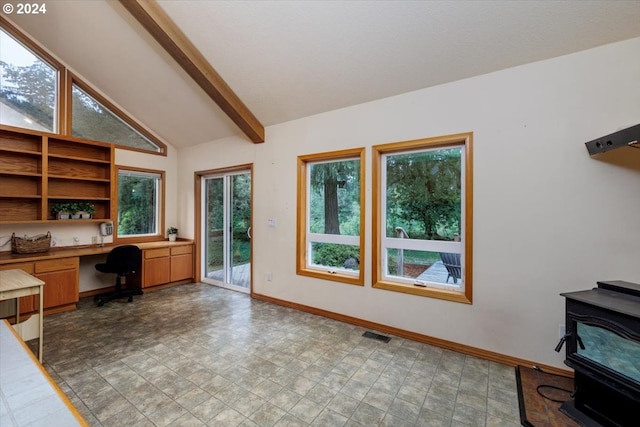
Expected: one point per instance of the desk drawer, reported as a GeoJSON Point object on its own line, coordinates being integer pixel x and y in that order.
{"type": "Point", "coordinates": [27, 267]}
{"type": "Point", "coordinates": [180, 250]}
{"type": "Point", "coordinates": [57, 265]}
{"type": "Point", "coordinates": [156, 253]}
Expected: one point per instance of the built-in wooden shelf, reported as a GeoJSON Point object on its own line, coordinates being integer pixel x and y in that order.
{"type": "Point", "coordinates": [38, 170]}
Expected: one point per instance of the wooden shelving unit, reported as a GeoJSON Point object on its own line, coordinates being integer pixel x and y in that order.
{"type": "Point", "coordinates": [38, 170]}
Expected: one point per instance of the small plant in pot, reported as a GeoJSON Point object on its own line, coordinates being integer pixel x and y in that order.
{"type": "Point", "coordinates": [86, 209]}
{"type": "Point", "coordinates": [172, 233]}
{"type": "Point", "coordinates": [61, 210]}
{"type": "Point", "coordinates": [75, 210]}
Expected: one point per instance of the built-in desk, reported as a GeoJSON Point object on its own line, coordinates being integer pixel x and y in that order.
{"type": "Point", "coordinates": [79, 251]}
{"type": "Point", "coordinates": [59, 269]}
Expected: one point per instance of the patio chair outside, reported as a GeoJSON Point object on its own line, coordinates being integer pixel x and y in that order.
{"type": "Point", "coordinates": [453, 266]}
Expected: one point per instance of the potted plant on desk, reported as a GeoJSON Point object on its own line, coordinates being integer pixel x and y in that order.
{"type": "Point", "coordinates": [172, 233]}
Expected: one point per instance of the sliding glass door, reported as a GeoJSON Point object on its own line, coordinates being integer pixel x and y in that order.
{"type": "Point", "coordinates": [226, 229]}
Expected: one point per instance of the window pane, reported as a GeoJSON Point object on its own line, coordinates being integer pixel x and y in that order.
{"type": "Point", "coordinates": [137, 204]}
{"type": "Point", "coordinates": [215, 223]}
{"type": "Point", "coordinates": [92, 120]}
{"type": "Point", "coordinates": [335, 256]}
{"type": "Point", "coordinates": [424, 266]}
{"type": "Point", "coordinates": [423, 194]}
{"type": "Point", "coordinates": [334, 198]}
{"type": "Point", "coordinates": [28, 87]}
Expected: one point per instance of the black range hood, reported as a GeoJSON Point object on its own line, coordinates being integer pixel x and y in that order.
{"type": "Point", "coordinates": [629, 137]}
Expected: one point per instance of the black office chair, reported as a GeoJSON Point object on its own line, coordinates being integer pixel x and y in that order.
{"type": "Point", "coordinates": [123, 261]}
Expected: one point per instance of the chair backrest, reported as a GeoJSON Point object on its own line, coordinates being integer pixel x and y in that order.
{"type": "Point", "coordinates": [452, 263]}
{"type": "Point", "coordinates": [124, 259]}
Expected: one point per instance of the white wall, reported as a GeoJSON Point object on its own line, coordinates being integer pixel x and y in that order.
{"type": "Point", "coordinates": [169, 164]}
{"type": "Point", "coordinates": [547, 217]}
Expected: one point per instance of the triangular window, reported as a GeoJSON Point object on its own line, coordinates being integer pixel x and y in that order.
{"type": "Point", "coordinates": [92, 119]}
{"type": "Point", "coordinates": [28, 87]}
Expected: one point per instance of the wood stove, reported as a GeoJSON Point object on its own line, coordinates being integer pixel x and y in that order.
{"type": "Point", "coordinates": [603, 347]}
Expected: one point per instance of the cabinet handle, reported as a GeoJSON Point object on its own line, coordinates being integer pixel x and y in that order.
{"type": "Point", "coordinates": [249, 232]}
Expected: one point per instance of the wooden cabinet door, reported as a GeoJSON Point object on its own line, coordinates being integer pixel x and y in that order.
{"type": "Point", "coordinates": [181, 267]}
{"type": "Point", "coordinates": [60, 278]}
{"type": "Point", "coordinates": [156, 271]}
{"type": "Point", "coordinates": [60, 287]}
{"type": "Point", "coordinates": [29, 304]}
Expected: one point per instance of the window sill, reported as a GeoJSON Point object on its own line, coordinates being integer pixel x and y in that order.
{"type": "Point", "coordinates": [444, 294]}
{"type": "Point", "coordinates": [138, 239]}
{"type": "Point", "coordinates": [334, 277]}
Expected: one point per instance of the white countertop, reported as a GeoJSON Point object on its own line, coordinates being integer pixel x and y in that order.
{"type": "Point", "coordinates": [28, 395]}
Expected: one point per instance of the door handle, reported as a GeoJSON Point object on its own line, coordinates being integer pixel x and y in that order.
{"type": "Point", "coordinates": [249, 232]}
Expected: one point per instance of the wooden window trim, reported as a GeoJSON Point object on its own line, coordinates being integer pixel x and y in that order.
{"type": "Point", "coordinates": [301, 229]}
{"type": "Point", "coordinates": [73, 79]}
{"type": "Point", "coordinates": [465, 139]}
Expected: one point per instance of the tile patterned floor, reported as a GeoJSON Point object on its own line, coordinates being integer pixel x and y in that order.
{"type": "Point", "coordinates": [199, 355]}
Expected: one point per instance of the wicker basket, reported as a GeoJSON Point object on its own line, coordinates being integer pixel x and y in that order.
{"type": "Point", "coordinates": [30, 245]}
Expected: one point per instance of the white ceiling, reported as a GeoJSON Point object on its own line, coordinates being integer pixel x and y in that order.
{"type": "Point", "coordinates": [291, 59]}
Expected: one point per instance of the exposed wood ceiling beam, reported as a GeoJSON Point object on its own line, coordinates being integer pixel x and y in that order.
{"type": "Point", "coordinates": [154, 19]}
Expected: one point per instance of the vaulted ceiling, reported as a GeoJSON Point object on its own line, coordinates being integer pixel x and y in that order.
{"type": "Point", "coordinates": [290, 59]}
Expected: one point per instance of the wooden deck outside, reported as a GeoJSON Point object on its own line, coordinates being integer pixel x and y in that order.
{"type": "Point", "coordinates": [241, 275]}
{"type": "Point", "coordinates": [437, 273]}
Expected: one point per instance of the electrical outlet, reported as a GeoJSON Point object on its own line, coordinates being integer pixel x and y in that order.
{"type": "Point", "coordinates": [94, 240]}
{"type": "Point", "coordinates": [269, 276]}
{"type": "Point", "coordinates": [562, 330]}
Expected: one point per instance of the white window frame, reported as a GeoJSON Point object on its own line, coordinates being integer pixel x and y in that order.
{"type": "Point", "coordinates": [339, 239]}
